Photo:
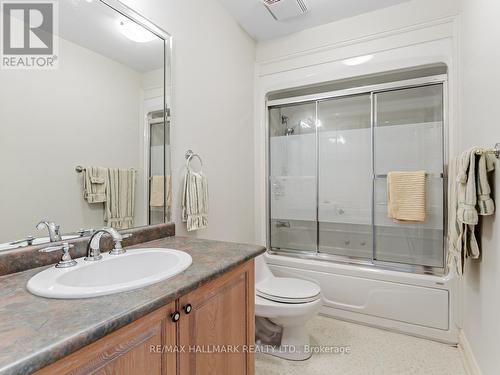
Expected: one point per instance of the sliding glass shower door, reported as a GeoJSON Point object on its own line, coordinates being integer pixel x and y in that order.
{"type": "Point", "coordinates": [408, 136]}
{"type": "Point", "coordinates": [292, 180]}
{"type": "Point", "coordinates": [344, 176]}
{"type": "Point", "coordinates": [157, 213]}
{"type": "Point", "coordinates": [328, 166]}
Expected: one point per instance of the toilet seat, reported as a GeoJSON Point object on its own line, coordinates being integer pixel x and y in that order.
{"type": "Point", "coordinates": [288, 290]}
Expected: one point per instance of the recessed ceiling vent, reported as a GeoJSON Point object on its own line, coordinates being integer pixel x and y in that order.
{"type": "Point", "coordinates": [284, 9]}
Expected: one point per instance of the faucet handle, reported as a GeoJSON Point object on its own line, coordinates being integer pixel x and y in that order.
{"type": "Point", "coordinates": [117, 248]}
{"type": "Point", "coordinates": [66, 260]}
{"type": "Point", "coordinates": [85, 232]}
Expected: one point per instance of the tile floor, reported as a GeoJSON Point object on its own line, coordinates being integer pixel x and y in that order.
{"type": "Point", "coordinates": [373, 352]}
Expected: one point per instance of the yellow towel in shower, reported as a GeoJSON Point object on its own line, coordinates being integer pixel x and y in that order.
{"type": "Point", "coordinates": [406, 197]}
{"type": "Point", "coordinates": [157, 191]}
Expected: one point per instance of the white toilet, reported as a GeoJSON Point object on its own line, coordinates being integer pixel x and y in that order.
{"type": "Point", "coordinates": [289, 303]}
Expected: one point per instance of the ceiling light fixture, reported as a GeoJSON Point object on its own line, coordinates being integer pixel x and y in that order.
{"type": "Point", "coordinates": [135, 32]}
{"type": "Point", "coordinates": [357, 60]}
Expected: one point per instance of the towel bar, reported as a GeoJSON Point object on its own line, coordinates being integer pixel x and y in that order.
{"type": "Point", "coordinates": [80, 169]}
{"type": "Point", "coordinates": [495, 151]}
{"type": "Point", "coordinates": [435, 175]}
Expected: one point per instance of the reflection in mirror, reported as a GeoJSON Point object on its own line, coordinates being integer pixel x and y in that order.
{"type": "Point", "coordinates": [87, 145]}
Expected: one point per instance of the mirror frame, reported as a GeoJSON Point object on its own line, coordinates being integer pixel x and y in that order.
{"type": "Point", "coordinates": [167, 49]}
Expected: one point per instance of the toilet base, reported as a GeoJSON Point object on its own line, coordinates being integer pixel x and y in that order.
{"type": "Point", "coordinates": [284, 354]}
{"type": "Point", "coordinates": [294, 345]}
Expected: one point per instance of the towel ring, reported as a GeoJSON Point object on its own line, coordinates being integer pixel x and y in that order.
{"type": "Point", "coordinates": [189, 156]}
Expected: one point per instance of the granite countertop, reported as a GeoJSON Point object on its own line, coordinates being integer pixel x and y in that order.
{"type": "Point", "coordinates": [37, 331]}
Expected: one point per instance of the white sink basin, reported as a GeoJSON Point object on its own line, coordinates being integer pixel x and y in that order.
{"type": "Point", "coordinates": [112, 274]}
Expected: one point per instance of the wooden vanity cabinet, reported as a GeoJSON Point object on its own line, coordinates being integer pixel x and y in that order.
{"type": "Point", "coordinates": [205, 332]}
{"type": "Point", "coordinates": [217, 325]}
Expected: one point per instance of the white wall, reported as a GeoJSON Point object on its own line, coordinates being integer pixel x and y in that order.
{"type": "Point", "coordinates": [213, 80]}
{"type": "Point", "coordinates": [480, 124]}
{"type": "Point", "coordinates": [374, 24]}
{"type": "Point", "coordinates": [45, 114]}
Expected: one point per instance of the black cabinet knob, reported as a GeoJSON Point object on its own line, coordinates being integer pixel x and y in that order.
{"type": "Point", "coordinates": [175, 316]}
{"type": "Point", "coordinates": [188, 308]}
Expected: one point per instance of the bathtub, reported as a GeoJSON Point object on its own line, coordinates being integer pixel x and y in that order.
{"type": "Point", "coordinates": [419, 305]}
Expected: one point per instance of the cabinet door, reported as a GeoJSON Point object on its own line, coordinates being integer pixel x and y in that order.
{"type": "Point", "coordinates": [220, 326]}
{"type": "Point", "coordinates": [131, 350]}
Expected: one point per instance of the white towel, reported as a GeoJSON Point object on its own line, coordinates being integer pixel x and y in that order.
{"type": "Point", "coordinates": [469, 198]}
{"type": "Point", "coordinates": [195, 200]}
{"type": "Point", "coordinates": [119, 206]}
{"type": "Point", "coordinates": [94, 184]}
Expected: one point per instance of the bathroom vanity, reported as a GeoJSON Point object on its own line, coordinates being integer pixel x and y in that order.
{"type": "Point", "coordinates": [198, 322]}
{"type": "Point", "coordinates": [180, 335]}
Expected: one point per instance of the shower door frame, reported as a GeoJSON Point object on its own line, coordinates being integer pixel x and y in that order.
{"type": "Point", "coordinates": [149, 122]}
{"type": "Point", "coordinates": [372, 90]}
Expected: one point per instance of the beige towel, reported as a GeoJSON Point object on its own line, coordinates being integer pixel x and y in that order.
{"type": "Point", "coordinates": [406, 197]}
{"type": "Point", "coordinates": [469, 198]}
{"type": "Point", "coordinates": [94, 184]}
{"type": "Point", "coordinates": [195, 200]}
{"type": "Point", "coordinates": [119, 206]}
{"type": "Point", "coordinates": [455, 229]}
{"type": "Point", "coordinates": [157, 191]}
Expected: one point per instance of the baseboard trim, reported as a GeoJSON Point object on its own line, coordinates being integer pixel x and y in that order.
{"type": "Point", "coordinates": [467, 355]}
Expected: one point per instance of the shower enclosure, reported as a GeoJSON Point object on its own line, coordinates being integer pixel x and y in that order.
{"type": "Point", "coordinates": [328, 159]}
{"type": "Point", "coordinates": [158, 163]}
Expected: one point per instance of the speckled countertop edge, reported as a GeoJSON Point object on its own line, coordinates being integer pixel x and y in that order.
{"type": "Point", "coordinates": [36, 331]}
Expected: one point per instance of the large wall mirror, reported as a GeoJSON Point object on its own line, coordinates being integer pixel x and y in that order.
{"type": "Point", "coordinates": [87, 144]}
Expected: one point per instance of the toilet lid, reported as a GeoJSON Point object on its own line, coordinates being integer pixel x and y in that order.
{"type": "Point", "coordinates": [288, 290]}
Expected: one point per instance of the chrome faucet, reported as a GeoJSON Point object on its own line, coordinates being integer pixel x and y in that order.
{"type": "Point", "coordinates": [93, 247]}
{"type": "Point", "coordinates": [54, 230]}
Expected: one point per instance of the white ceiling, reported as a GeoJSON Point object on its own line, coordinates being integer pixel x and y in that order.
{"type": "Point", "coordinates": [258, 22]}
